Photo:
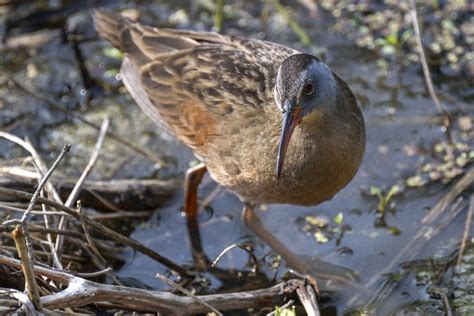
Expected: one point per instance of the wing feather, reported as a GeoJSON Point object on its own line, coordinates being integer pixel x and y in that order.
{"type": "Point", "coordinates": [194, 83]}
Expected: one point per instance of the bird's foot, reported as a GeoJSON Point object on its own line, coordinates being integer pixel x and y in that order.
{"type": "Point", "coordinates": [309, 279]}
{"type": "Point", "coordinates": [314, 284]}
{"type": "Point", "coordinates": [201, 261]}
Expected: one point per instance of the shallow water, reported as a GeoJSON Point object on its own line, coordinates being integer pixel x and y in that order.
{"type": "Point", "coordinates": [399, 138]}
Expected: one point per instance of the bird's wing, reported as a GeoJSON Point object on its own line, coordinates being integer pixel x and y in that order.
{"type": "Point", "coordinates": [194, 83]}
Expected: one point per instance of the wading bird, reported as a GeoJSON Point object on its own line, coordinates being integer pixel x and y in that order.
{"type": "Point", "coordinates": [269, 123]}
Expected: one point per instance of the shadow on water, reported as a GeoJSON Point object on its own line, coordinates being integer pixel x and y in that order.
{"type": "Point", "coordinates": [352, 230]}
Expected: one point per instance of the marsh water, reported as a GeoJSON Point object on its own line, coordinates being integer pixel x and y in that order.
{"type": "Point", "coordinates": [403, 127]}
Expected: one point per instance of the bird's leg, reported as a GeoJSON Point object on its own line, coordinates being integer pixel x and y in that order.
{"type": "Point", "coordinates": [252, 221]}
{"type": "Point", "coordinates": [191, 182]}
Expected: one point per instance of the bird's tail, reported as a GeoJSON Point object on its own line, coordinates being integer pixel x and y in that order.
{"type": "Point", "coordinates": [111, 27]}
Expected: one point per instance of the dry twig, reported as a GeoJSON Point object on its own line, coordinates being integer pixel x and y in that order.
{"type": "Point", "coordinates": [40, 164]}
{"type": "Point", "coordinates": [36, 195]}
{"type": "Point", "coordinates": [308, 298]}
{"type": "Point", "coordinates": [186, 292]}
{"type": "Point", "coordinates": [465, 235]}
{"type": "Point", "coordinates": [247, 250]}
{"type": "Point", "coordinates": [39, 253]}
{"type": "Point", "coordinates": [87, 170]}
{"type": "Point", "coordinates": [89, 239]}
{"type": "Point", "coordinates": [426, 70]}
{"type": "Point", "coordinates": [447, 306]}
{"type": "Point", "coordinates": [148, 193]}
{"type": "Point", "coordinates": [94, 274]}
{"type": "Point", "coordinates": [27, 306]}
{"type": "Point", "coordinates": [81, 292]}
{"type": "Point", "coordinates": [10, 207]}
{"type": "Point", "coordinates": [49, 238]}
{"type": "Point", "coordinates": [34, 198]}
{"type": "Point", "coordinates": [54, 231]}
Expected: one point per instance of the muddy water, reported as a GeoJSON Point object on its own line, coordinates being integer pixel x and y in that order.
{"type": "Point", "coordinates": [398, 134]}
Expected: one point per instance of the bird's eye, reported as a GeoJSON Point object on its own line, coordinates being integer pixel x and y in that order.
{"type": "Point", "coordinates": [308, 88]}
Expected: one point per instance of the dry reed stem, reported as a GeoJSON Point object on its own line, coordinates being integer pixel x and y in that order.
{"type": "Point", "coordinates": [465, 235]}
{"type": "Point", "coordinates": [77, 187]}
{"type": "Point", "coordinates": [426, 71]}
{"type": "Point", "coordinates": [26, 266]}
{"type": "Point", "coordinates": [89, 239]}
{"type": "Point", "coordinates": [49, 238]}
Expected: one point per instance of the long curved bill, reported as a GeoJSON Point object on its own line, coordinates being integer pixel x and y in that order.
{"type": "Point", "coordinates": [291, 117]}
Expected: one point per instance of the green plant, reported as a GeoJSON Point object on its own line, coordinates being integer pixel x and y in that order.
{"type": "Point", "coordinates": [392, 43]}
{"type": "Point", "coordinates": [285, 311]}
{"type": "Point", "coordinates": [384, 199]}
{"type": "Point", "coordinates": [219, 15]}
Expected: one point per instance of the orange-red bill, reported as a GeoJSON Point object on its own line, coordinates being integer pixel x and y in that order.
{"type": "Point", "coordinates": [291, 118]}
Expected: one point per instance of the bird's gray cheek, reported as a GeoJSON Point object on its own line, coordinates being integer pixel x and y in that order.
{"type": "Point", "coordinates": [277, 98]}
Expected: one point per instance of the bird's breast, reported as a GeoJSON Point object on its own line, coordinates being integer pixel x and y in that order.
{"type": "Point", "coordinates": [316, 166]}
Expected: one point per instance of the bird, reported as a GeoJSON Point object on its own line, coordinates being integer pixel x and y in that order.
{"type": "Point", "coordinates": [272, 124]}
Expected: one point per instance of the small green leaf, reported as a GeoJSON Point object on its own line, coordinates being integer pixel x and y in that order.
{"type": "Point", "coordinates": [320, 237]}
{"type": "Point", "coordinates": [396, 277]}
{"type": "Point", "coordinates": [112, 52]}
{"type": "Point", "coordinates": [392, 39]}
{"type": "Point", "coordinates": [405, 36]}
{"type": "Point", "coordinates": [194, 163]}
{"type": "Point", "coordinates": [381, 42]}
{"type": "Point", "coordinates": [315, 221]}
{"type": "Point", "coordinates": [285, 311]}
{"type": "Point", "coordinates": [375, 191]}
{"type": "Point", "coordinates": [393, 191]}
{"type": "Point", "coordinates": [415, 181]}
{"type": "Point", "coordinates": [395, 231]}
{"type": "Point", "coordinates": [112, 72]}
{"type": "Point", "coordinates": [339, 218]}
{"type": "Point", "coordinates": [389, 50]}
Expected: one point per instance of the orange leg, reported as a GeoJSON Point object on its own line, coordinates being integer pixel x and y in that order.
{"type": "Point", "coordinates": [191, 182]}
{"type": "Point", "coordinates": [252, 221]}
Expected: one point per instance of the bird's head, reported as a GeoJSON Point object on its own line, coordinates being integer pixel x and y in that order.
{"type": "Point", "coordinates": [305, 89]}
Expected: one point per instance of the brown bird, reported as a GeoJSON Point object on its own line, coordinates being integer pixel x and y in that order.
{"type": "Point", "coordinates": [269, 123]}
